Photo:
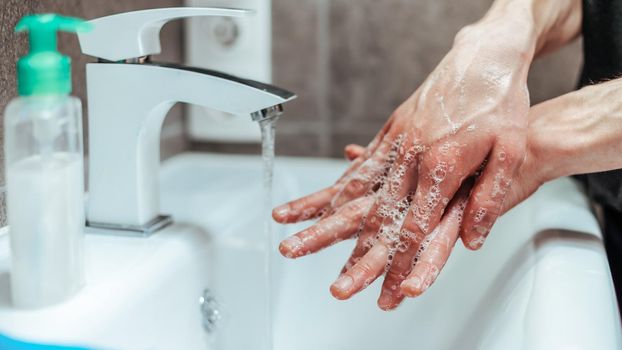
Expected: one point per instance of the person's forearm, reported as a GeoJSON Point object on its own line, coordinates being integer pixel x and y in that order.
{"type": "Point", "coordinates": [558, 22]}
{"type": "Point", "coordinates": [533, 26]}
{"type": "Point", "coordinates": [577, 133]}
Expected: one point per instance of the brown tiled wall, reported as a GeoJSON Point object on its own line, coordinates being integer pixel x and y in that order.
{"type": "Point", "coordinates": [352, 62]}
{"type": "Point", "coordinates": [12, 46]}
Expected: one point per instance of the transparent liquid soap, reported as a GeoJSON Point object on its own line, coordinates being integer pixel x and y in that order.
{"type": "Point", "coordinates": [45, 191]}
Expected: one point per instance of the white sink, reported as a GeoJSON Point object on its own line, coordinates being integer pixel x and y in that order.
{"type": "Point", "coordinates": [540, 282]}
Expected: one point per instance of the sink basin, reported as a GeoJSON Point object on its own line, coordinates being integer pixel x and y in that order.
{"type": "Point", "coordinates": [541, 281]}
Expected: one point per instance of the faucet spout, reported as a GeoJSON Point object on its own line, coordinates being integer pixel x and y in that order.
{"type": "Point", "coordinates": [127, 106]}
{"type": "Point", "coordinates": [267, 113]}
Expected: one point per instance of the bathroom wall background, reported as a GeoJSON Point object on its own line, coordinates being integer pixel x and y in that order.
{"type": "Point", "coordinates": [351, 62]}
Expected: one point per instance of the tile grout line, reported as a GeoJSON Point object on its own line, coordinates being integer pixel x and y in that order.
{"type": "Point", "coordinates": [323, 63]}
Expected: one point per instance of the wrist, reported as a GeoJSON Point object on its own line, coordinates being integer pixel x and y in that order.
{"type": "Point", "coordinates": [502, 32]}
{"type": "Point", "coordinates": [550, 142]}
{"type": "Point", "coordinates": [579, 132]}
{"type": "Point", "coordinates": [545, 24]}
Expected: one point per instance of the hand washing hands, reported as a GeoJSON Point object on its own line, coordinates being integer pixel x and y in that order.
{"type": "Point", "coordinates": [444, 163]}
{"type": "Point", "coordinates": [422, 262]}
{"type": "Point", "coordinates": [470, 109]}
{"type": "Point", "coordinates": [565, 136]}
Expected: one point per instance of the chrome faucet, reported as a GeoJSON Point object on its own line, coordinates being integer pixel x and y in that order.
{"type": "Point", "coordinates": [128, 98]}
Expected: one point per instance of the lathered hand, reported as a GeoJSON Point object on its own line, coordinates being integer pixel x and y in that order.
{"type": "Point", "coordinates": [472, 108]}
{"type": "Point", "coordinates": [450, 151]}
{"type": "Point", "coordinates": [566, 136]}
{"type": "Point", "coordinates": [430, 254]}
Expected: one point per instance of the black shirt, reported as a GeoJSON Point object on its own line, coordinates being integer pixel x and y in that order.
{"type": "Point", "coordinates": [602, 52]}
{"type": "Point", "coordinates": [602, 60]}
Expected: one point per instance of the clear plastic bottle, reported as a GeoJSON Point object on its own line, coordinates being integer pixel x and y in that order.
{"type": "Point", "coordinates": [44, 166]}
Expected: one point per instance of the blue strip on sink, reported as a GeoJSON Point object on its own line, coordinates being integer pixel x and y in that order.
{"type": "Point", "coordinates": [7, 343]}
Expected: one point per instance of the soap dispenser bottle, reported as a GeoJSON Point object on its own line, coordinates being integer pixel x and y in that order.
{"type": "Point", "coordinates": [44, 170]}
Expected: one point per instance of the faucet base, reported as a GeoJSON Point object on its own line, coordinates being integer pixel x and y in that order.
{"type": "Point", "coordinates": [146, 230]}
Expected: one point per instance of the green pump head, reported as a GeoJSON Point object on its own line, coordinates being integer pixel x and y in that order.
{"type": "Point", "coordinates": [44, 70]}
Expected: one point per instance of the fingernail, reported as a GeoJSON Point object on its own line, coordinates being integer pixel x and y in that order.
{"type": "Point", "coordinates": [412, 286]}
{"type": "Point", "coordinates": [343, 283]}
{"type": "Point", "coordinates": [291, 246]}
{"type": "Point", "coordinates": [477, 243]}
{"type": "Point", "coordinates": [281, 212]}
{"type": "Point", "coordinates": [482, 230]}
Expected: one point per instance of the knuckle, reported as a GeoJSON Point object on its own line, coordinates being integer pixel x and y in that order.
{"type": "Point", "coordinates": [427, 162]}
{"type": "Point", "coordinates": [402, 262]}
{"type": "Point", "coordinates": [356, 208]}
{"type": "Point", "coordinates": [373, 222]}
{"type": "Point", "coordinates": [441, 245]}
{"type": "Point", "coordinates": [395, 276]}
{"type": "Point", "coordinates": [354, 188]}
{"type": "Point", "coordinates": [409, 228]}
{"type": "Point", "coordinates": [364, 268]}
{"type": "Point", "coordinates": [411, 234]}
{"type": "Point", "coordinates": [349, 211]}
{"type": "Point", "coordinates": [484, 212]}
{"type": "Point", "coordinates": [514, 152]}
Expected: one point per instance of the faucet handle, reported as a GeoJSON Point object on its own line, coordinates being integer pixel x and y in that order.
{"type": "Point", "coordinates": [136, 34]}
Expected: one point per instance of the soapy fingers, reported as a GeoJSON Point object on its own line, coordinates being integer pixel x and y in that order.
{"type": "Point", "coordinates": [489, 193]}
{"type": "Point", "coordinates": [343, 224]}
{"type": "Point", "coordinates": [322, 202]}
{"type": "Point", "coordinates": [423, 255]}
{"type": "Point", "coordinates": [436, 253]}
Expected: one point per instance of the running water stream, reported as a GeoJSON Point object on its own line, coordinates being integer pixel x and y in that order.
{"type": "Point", "coordinates": [267, 154]}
